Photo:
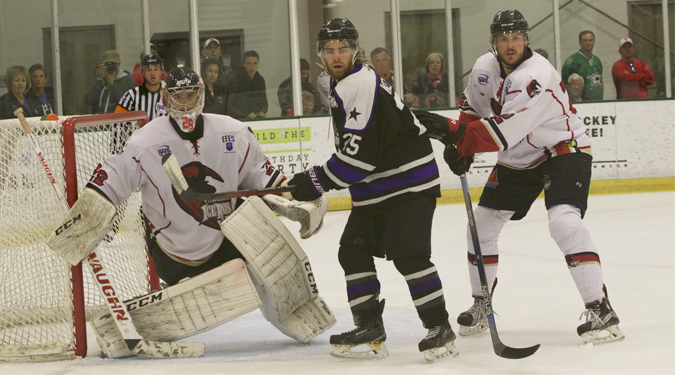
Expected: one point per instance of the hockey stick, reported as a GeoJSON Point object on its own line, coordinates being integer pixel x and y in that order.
{"type": "Point", "coordinates": [175, 173]}
{"type": "Point", "coordinates": [133, 339]}
{"type": "Point", "coordinates": [500, 349]}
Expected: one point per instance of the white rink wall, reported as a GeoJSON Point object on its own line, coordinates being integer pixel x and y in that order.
{"type": "Point", "coordinates": [629, 139]}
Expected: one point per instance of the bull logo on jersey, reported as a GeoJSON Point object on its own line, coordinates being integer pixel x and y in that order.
{"type": "Point", "coordinates": [533, 89]}
{"type": "Point", "coordinates": [206, 213]}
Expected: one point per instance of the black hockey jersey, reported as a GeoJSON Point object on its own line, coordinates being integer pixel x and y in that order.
{"type": "Point", "coordinates": [382, 151]}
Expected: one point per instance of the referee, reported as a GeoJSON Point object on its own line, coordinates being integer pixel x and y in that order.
{"type": "Point", "coordinates": [145, 97]}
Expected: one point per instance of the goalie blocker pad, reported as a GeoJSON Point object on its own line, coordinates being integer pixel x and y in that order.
{"type": "Point", "coordinates": [83, 228]}
{"type": "Point", "coordinates": [190, 307]}
{"type": "Point", "coordinates": [280, 270]}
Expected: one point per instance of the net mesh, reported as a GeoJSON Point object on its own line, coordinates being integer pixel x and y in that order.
{"type": "Point", "coordinates": [36, 291]}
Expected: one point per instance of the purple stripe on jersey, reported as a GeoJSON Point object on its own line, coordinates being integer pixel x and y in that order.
{"type": "Point", "coordinates": [344, 172]}
{"type": "Point", "coordinates": [380, 187]}
{"type": "Point", "coordinates": [366, 287]}
{"type": "Point", "coordinates": [426, 286]}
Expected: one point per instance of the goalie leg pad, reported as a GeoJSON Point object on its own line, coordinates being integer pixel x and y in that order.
{"type": "Point", "coordinates": [192, 306]}
{"type": "Point", "coordinates": [281, 271]}
{"type": "Point", "coordinates": [83, 228]}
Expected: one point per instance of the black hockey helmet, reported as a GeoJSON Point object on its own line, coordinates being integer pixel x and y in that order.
{"type": "Point", "coordinates": [508, 21]}
{"type": "Point", "coordinates": [179, 81]}
{"type": "Point", "coordinates": [151, 60]}
{"type": "Point", "coordinates": [338, 28]}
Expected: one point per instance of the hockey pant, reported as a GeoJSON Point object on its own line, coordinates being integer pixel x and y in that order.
{"type": "Point", "coordinates": [566, 229]}
{"type": "Point", "coordinates": [280, 270]}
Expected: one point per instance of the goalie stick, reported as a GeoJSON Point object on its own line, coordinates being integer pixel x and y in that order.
{"type": "Point", "coordinates": [175, 173]}
{"type": "Point", "coordinates": [500, 349]}
{"type": "Point", "coordinates": [136, 343]}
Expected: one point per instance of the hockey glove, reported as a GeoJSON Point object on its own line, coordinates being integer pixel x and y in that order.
{"type": "Point", "coordinates": [458, 164]}
{"type": "Point", "coordinates": [444, 129]}
{"type": "Point", "coordinates": [309, 185]}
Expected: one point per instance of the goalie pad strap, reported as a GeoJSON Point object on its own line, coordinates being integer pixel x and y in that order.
{"type": "Point", "coordinates": [83, 228]}
{"type": "Point", "coordinates": [193, 306]}
{"type": "Point", "coordinates": [279, 268]}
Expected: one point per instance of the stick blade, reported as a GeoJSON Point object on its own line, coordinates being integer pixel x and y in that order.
{"type": "Point", "coordinates": [514, 353]}
{"type": "Point", "coordinates": [157, 349]}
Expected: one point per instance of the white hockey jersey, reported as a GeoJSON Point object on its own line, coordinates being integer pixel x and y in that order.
{"type": "Point", "coordinates": [526, 116]}
{"type": "Point", "coordinates": [227, 157]}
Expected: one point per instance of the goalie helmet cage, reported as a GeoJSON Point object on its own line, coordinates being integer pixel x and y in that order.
{"type": "Point", "coordinates": [45, 303]}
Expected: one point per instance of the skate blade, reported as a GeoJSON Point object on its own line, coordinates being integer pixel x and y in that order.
{"type": "Point", "coordinates": [437, 354]}
{"type": "Point", "coordinates": [603, 336]}
{"type": "Point", "coordinates": [377, 351]}
{"type": "Point", "coordinates": [472, 330]}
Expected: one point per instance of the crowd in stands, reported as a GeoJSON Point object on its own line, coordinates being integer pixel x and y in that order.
{"type": "Point", "coordinates": [241, 92]}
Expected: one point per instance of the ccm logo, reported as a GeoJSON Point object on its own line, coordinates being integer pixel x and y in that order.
{"type": "Point", "coordinates": [147, 300]}
{"type": "Point", "coordinates": [68, 224]}
{"type": "Point", "coordinates": [310, 278]}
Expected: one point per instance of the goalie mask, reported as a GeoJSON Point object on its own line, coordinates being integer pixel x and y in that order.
{"type": "Point", "coordinates": [183, 97]}
{"type": "Point", "coordinates": [338, 29]}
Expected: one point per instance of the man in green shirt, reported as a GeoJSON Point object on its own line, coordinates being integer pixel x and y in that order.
{"type": "Point", "coordinates": [586, 65]}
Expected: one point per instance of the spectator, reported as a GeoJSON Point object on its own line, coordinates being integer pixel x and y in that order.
{"type": "Point", "coordinates": [432, 87]}
{"type": "Point", "coordinates": [16, 80]}
{"type": "Point", "coordinates": [217, 97]}
{"type": "Point", "coordinates": [631, 76]}
{"type": "Point", "coordinates": [38, 92]}
{"type": "Point", "coordinates": [542, 52]}
{"type": "Point", "coordinates": [108, 85]}
{"type": "Point", "coordinates": [308, 103]}
{"type": "Point", "coordinates": [285, 91]}
{"type": "Point", "coordinates": [575, 88]}
{"type": "Point", "coordinates": [147, 96]}
{"type": "Point", "coordinates": [586, 65]}
{"type": "Point", "coordinates": [251, 98]}
{"type": "Point", "coordinates": [226, 77]}
{"type": "Point", "coordinates": [382, 65]}
{"type": "Point", "coordinates": [136, 74]}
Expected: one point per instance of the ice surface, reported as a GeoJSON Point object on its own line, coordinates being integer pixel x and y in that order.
{"type": "Point", "coordinates": [536, 302]}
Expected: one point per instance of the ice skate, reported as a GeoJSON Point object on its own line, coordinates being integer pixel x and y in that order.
{"type": "Point", "coordinates": [473, 320]}
{"type": "Point", "coordinates": [370, 333]}
{"type": "Point", "coordinates": [602, 324]}
{"type": "Point", "coordinates": [439, 343]}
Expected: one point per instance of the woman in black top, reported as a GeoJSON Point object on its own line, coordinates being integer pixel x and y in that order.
{"type": "Point", "coordinates": [38, 92]}
{"type": "Point", "coordinates": [16, 80]}
{"type": "Point", "coordinates": [216, 100]}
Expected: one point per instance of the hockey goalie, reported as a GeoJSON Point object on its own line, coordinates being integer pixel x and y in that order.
{"type": "Point", "coordinates": [219, 258]}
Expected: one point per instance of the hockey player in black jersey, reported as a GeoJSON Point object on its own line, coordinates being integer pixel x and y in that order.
{"type": "Point", "coordinates": [385, 159]}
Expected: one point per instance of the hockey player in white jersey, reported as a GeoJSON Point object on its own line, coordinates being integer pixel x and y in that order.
{"type": "Point", "coordinates": [385, 159]}
{"type": "Point", "coordinates": [516, 104]}
{"type": "Point", "coordinates": [192, 239]}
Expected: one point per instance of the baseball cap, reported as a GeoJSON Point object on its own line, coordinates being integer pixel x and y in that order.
{"type": "Point", "coordinates": [110, 56]}
{"type": "Point", "coordinates": [624, 41]}
{"type": "Point", "coordinates": [208, 41]}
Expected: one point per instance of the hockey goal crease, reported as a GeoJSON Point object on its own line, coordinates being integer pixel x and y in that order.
{"type": "Point", "coordinates": [45, 303]}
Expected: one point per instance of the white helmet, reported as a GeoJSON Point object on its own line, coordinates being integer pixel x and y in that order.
{"type": "Point", "coordinates": [183, 97]}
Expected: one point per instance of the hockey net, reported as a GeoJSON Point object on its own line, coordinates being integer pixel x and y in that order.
{"type": "Point", "coordinates": [44, 303]}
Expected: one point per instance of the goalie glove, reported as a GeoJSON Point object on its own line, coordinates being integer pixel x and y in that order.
{"type": "Point", "coordinates": [308, 214]}
{"type": "Point", "coordinates": [445, 129]}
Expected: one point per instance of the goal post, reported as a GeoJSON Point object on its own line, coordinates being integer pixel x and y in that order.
{"type": "Point", "coordinates": [45, 303]}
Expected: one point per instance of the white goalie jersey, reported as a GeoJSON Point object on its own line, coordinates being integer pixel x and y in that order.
{"type": "Point", "coordinates": [225, 157]}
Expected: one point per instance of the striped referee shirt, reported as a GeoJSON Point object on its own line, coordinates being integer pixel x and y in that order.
{"type": "Point", "coordinates": [140, 99]}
